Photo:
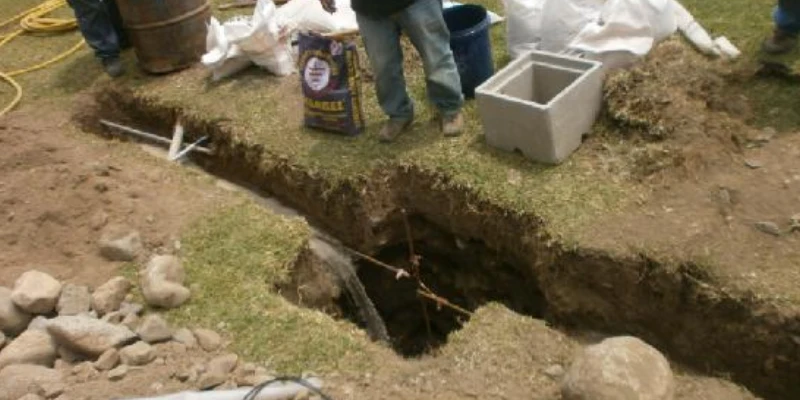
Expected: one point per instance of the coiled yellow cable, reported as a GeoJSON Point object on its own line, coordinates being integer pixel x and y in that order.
{"type": "Point", "coordinates": [35, 20]}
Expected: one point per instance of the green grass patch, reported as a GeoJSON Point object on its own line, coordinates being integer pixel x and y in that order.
{"type": "Point", "coordinates": [234, 258]}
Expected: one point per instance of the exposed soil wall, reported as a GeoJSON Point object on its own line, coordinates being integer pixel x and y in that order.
{"type": "Point", "coordinates": [688, 315]}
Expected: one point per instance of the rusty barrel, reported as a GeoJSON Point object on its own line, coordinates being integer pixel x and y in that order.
{"type": "Point", "coordinates": [167, 35]}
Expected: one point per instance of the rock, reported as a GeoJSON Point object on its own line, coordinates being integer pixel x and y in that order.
{"type": "Point", "coordinates": [118, 373]}
{"type": "Point", "coordinates": [109, 296]}
{"type": "Point", "coordinates": [114, 317]}
{"type": "Point", "coordinates": [51, 390]}
{"type": "Point", "coordinates": [225, 363]}
{"type": "Point", "coordinates": [753, 164]}
{"type": "Point", "coordinates": [769, 228]}
{"type": "Point", "coordinates": [555, 371]}
{"type": "Point", "coordinates": [84, 371]}
{"type": "Point", "coordinates": [186, 337]}
{"type": "Point", "coordinates": [31, 347]}
{"type": "Point", "coordinates": [211, 379]}
{"type": "Point", "coordinates": [162, 282]}
{"type": "Point", "coordinates": [36, 292]}
{"type": "Point", "coordinates": [88, 336]}
{"type": "Point", "coordinates": [108, 360]}
{"type": "Point", "coordinates": [794, 223]}
{"type": "Point", "coordinates": [13, 320]}
{"type": "Point", "coordinates": [208, 339]}
{"type": "Point", "coordinates": [131, 321]}
{"type": "Point", "coordinates": [69, 355]}
{"type": "Point", "coordinates": [139, 353]}
{"type": "Point", "coordinates": [620, 368]}
{"type": "Point", "coordinates": [118, 243]}
{"type": "Point", "coordinates": [19, 380]}
{"type": "Point", "coordinates": [128, 308]}
{"type": "Point", "coordinates": [167, 268]}
{"type": "Point", "coordinates": [154, 329]}
{"type": "Point", "coordinates": [74, 300]}
{"type": "Point", "coordinates": [39, 323]}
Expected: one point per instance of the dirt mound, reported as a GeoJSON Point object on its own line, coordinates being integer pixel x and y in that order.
{"type": "Point", "coordinates": [683, 109]}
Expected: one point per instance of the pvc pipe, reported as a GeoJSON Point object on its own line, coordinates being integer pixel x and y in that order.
{"type": "Point", "coordinates": [177, 140]}
{"type": "Point", "coordinates": [146, 135]}
{"type": "Point", "coordinates": [277, 391]}
{"type": "Point", "coordinates": [188, 148]}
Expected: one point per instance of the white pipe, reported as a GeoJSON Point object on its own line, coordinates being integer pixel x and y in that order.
{"type": "Point", "coordinates": [147, 135]}
{"type": "Point", "coordinates": [276, 391]}
{"type": "Point", "coordinates": [177, 140]}
{"type": "Point", "coordinates": [188, 148]}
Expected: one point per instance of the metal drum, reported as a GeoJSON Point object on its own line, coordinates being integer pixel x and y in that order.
{"type": "Point", "coordinates": [167, 35]}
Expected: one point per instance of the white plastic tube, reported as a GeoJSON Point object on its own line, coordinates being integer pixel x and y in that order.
{"type": "Point", "coordinates": [693, 31]}
{"type": "Point", "coordinates": [277, 391]}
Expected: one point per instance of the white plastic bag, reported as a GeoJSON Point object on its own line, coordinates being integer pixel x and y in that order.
{"type": "Point", "coordinates": [309, 16]}
{"type": "Point", "coordinates": [523, 25]}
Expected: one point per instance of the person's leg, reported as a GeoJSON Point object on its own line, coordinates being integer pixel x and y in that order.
{"type": "Point", "coordinates": [787, 28]}
{"type": "Point", "coordinates": [382, 39]}
{"type": "Point", "coordinates": [116, 22]}
{"type": "Point", "coordinates": [424, 24]}
{"type": "Point", "coordinates": [96, 26]}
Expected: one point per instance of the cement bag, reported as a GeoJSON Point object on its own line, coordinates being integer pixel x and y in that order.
{"type": "Point", "coordinates": [222, 58]}
{"type": "Point", "coordinates": [309, 16]}
{"type": "Point", "coordinates": [523, 25]}
{"type": "Point", "coordinates": [330, 75]}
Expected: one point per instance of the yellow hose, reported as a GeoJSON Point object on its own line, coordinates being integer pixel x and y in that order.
{"type": "Point", "coordinates": [35, 20]}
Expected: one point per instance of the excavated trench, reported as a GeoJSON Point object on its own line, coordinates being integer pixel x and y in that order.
{"type": "Point", "coordinates": [474, 251]}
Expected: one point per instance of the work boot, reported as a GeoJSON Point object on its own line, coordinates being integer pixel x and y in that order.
{"type": "Point", "coordinates": [393, 128]}
{"type": "Point", "coordinates": [780, 42]}
{"type": "Point", "coordinates": [113, 67]}
{"type": "Point", "coordinates": [453, 125]}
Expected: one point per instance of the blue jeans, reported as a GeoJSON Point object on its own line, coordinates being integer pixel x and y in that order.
{"type": "Point", "coordinates": [424, 25]}
{"type": "Point", "coordinates": [787, 16]}
{"type": "Point", "coordinates": [101, 26]}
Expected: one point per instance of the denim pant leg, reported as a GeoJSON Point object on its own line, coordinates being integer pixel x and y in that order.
{"type": "Point", "coordinates": [424, 24]}
{"type": "Point", "coordinates": [382, 39]}
{"type": "Point", "coordinates": [97, 27]}
{"type": "Point", "coordinates": [787, 16]}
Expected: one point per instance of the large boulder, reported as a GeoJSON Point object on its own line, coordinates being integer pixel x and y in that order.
{"type": "Point", "coordinates": [88, 336]}
{"type": "Point", "coordinates": [74, 300]}
{"type": "Point", "coordinates": [119, 243]}
{"type": "Point", "coordinates": [36, 292]}
{"type": "Point", "coordinates": [31, 347]}
{"type": "Point", "coordinates": [13, 319]}
{"type": "Point", "coordinates": [18, 380]}
{"type": "Point", "coordinates": [110, 295]}
{"type": "Point", "coordinates": [620, 368]}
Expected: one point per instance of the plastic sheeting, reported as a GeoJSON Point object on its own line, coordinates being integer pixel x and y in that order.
{"type": "Point", "coordinates": [617, 32]}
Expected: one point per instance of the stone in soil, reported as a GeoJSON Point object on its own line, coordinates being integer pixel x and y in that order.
{"type": "Point", "coordinates": [168, 268]}
{"type": "Point", "coordinates": [769, 227]}
{"type": "Point", "coordinates": [31, 347]}
{"type": "Point", "coordinates": [208, 339]}
{"type": "Point", "coordinates": [118, 243]}
{"type": "Point", "coordinates": [19, 380]}
{"type": "Point", "coordinates": [98, 220]}
{"type": "Point", "coordinates": [224, 363]}
{"type": "Point", "coordinates": [154, 329]}
{"type": "Point", "coordinates": [554, 371]}
{"type": "Point", "coordinates": [139, 353]}
{"type": "Point", "coordinates": [118, 373]}
{"type": "Point", "coordinates": [13, 319]}
{"type": "Point", "coordinates": [110, 295]}
{"type": "Point", "coordinates": [211, 379]}
{"type": "Point", "coordinates": [186, 337]}
{"type": "Point", "coordinates": [53, 389]}
{"type": "Point", "coordinates": [74, 300]}
{"type": "Point", "coordinates": [621, 368]}
{"type": "Point", "coordinates": [108, 360]}
{"type": "Point", "coordinates": [88, 336]}
{"type": "Point", "coordinates": [36, 292]}
{"type": "Point", "coordinates": [131, 321]}
{"type": "Point", "coordinates": [162, 282]}
{"type": "Point", "coordinates": [84, 372]}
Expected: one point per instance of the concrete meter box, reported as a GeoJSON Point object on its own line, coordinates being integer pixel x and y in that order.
{"type": "Point", "coordinates": [541, 104]}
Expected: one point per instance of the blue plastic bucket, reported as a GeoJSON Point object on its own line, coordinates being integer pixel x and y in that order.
{"type": "Point", "coordinates": [469, 38]}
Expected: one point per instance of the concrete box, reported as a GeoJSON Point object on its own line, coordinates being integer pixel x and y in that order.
{"type": "Point", "coordinates": [541, 104]}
